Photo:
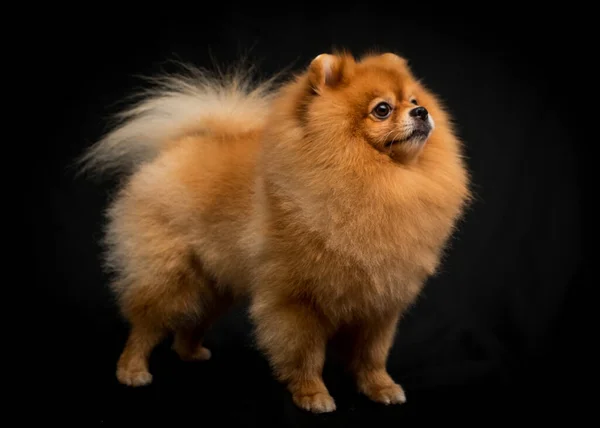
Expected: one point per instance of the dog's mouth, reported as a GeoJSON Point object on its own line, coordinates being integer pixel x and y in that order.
{"type": "Point", "coordinates": [417, 134]}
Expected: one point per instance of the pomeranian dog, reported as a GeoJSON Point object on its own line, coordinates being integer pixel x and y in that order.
{"type": "Point", "coordinates": [327, 201]}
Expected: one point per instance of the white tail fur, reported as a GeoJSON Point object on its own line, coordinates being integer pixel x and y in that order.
{"type": "Point", "coordinates": [176, 106]}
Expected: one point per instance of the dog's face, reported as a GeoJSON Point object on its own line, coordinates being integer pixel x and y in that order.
{"type": "Point", "coordinates": [376, 100]}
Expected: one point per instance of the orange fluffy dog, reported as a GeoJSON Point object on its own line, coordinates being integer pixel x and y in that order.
{"type": "Point", "coordinates": [327, 200]}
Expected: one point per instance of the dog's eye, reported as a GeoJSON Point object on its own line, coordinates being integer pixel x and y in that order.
{"type": "Point", "coordinates": [382, 110]}
{"type": "Point", "coordinates": [414, 101]}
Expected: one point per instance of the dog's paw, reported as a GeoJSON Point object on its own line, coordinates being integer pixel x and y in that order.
{"type": "Point", "coordinates": [321, 402]}
{"type": "Point", "coordinates": [199, 354]}
{"type": "Point", "coordinates": [386, 394]}
{"type": "Point", "coordinates": [134, 377]}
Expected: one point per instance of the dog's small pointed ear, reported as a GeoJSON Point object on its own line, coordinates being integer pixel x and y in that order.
{"type": "Point", "coordinates": [395, 59]}
{"type": "Point", "coordinates": [328, 70]}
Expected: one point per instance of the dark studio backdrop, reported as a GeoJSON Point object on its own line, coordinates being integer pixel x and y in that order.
{"type": "Point", "coordinates": [497, 332]}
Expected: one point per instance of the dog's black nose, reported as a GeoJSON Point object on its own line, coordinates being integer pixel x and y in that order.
{"type": "Point", "coordinates": [420, 112]}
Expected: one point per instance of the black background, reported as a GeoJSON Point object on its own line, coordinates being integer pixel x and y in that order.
{"type": "Point", "coordinates": [498, 332]}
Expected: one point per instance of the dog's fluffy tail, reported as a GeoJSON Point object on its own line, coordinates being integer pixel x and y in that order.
{"type": "Point", "coordinates": [175, 106]}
